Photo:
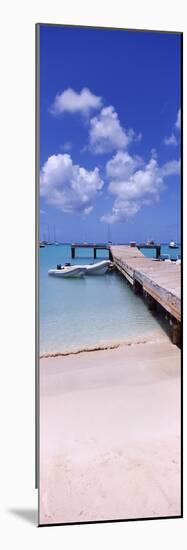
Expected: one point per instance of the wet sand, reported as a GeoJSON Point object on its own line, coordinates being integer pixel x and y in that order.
{"type": "Point", "coordinates": [110, 434]}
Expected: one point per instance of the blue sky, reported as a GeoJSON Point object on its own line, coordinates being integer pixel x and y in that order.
{"type": "Point", "coordinates": [109, 134]}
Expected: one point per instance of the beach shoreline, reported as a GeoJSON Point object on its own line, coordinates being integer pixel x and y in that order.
{"type": "Point", "coordinates": [104, 345]}
{"type": "Point", "coordinates": [110, 433]}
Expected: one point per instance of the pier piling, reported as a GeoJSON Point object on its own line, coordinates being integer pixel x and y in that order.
{"type": "Point", "coordinates": [176, 333]}
{"type": "Point", "coordinates": [137, 287]}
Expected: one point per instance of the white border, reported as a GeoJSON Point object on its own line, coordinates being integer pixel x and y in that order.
{"type": "Point", "coordinates": [17, 226]}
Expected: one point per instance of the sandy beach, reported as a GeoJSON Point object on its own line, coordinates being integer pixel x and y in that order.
{"type": "Point", "coordinates": [110, 434]}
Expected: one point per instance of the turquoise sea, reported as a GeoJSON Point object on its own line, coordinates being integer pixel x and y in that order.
{"type": "Point", "coordinates": [76, 313]}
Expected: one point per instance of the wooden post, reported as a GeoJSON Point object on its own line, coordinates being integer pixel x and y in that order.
{"type": "Point", "coordinates": [73, 252]}
{"type": "Point", "coordinates": [151, 303]}
{"type": "Point", "coordinates": [158, 248]}
{"type": "Point", "coordinates": [176, 333]}
{"type": "Point", "coordinates": [95, 253]}
{"type": "Point", "coordinates": [137, 287]}
{"type": "Point", "coordinates": [110, 255]}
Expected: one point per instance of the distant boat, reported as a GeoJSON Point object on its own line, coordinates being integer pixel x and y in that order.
{"type": "Point", "coordinates": [42, 245]}
{"type": "Point", "coordinates": [67, 271]}
{"type": "Point", "coordinates": [150, 242]}
{"type": "Point", "coordinates": [132, 243]}
{"type": "Point", "coordinates": [173, 244]}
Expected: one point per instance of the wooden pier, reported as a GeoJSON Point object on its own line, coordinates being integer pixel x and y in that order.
{"type": "Point", "coordinates": [160, 282]}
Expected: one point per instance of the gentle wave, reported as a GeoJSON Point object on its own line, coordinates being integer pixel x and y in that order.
{"type": "Point", "coordinates": [152, 337]}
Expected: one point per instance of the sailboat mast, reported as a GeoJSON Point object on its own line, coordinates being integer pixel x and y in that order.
{"type": "Point", "coordinates": [108, 233]}
{"type": "Point", "coordinates": [54, 233]}
{"type": "Point", "coordinates": [48, 234]}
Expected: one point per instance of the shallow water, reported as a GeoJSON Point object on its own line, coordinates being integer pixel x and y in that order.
{"type": "Point", "coordinates": [75, 313]}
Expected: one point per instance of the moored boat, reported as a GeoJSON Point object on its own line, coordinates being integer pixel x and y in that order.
{"type": "Point", "coordinates": [98, 268]}
{"type": "Point", "coordinates": [67, 271]}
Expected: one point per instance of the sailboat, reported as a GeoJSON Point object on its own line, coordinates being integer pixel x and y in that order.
{"type": "Point", "coordinates": [48, 240]}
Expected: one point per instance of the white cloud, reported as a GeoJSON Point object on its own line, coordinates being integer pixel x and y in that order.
{"type": "Point", "coordinates": [178, 121]}
{"type": "Point", "coordinates": [68, 186]}
{"type": "Point", "coordinates": [133, 136]}
{"type": "Point", "coordinates": [72, 102]}
{"type": "Point", "coordinates": [121, 211]}
{"type": "Point", "coordinates": [106, 132]}
{"type": "Point", "coordinates": [122, 165]}
{"type": "Point", "coordinates": [66, 146]}
{"type": "Point", "coordinates": [171, 140]}
{"type": "Point", "coordinates": [142, 182]}
{"type": "Point", "coordinates": [171, 168]}
{"type": "Point", "coordinates": [134, 186]}
{"type": "Point", "coordinates": [88, 210]}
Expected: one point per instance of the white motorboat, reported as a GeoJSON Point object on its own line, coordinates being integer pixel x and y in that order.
{"type": "Point", "coordinates": [173, 244]}
{"type": "Point", "coordinates": [99, 268]}
{"type": "Point", "coordinates": [67, 271]}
